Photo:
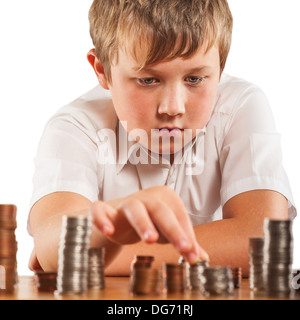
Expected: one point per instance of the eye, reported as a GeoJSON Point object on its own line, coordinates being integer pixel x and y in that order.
{"type": "Point", "coordinates": [147, 81]}
{"type": "Point", "coordinates": [194, 80]}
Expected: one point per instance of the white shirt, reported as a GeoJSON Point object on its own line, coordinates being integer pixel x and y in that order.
{"type": "Point", "coordinates": [239, 150]}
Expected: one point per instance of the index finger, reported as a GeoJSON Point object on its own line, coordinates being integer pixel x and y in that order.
{"type": "Point", "coordinates": [181, 232]}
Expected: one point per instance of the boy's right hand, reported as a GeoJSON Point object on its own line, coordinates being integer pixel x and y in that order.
{"type": "Point", "coordinates": [153, 215]}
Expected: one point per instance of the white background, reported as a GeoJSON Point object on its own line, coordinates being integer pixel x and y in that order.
{"type": "Point", "coordinates": [43, 66]}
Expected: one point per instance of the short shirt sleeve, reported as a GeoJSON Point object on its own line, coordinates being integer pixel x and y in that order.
{"type": "Point", "coordinates": [66, 158]}
{"type": "Point", "coordinates": [250, 157]}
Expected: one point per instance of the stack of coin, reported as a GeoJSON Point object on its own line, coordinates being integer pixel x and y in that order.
{"type": "Point", "coordinates": [96, 268]}
{"type": "Point", "coordinates": [8, 248]}
{"type": "Point", "coordinates": [197, 276]}
{"type": "Point", "coordinates": [256, 255]}
{"type": "Point", "coordinates": [145, 281]}
{"type": "Point", "coordinates": [218, 281]}
{"type": "Point", "coordinates": [236, 277]}
{"type": "Point", "coordinates": [72, 274]}
{"type": "Point", "coordinates": [186, 266]}
{"type": "Point", "coordinates": [139, 261]}
{"type": "Point", "coordinates": [45, 281]}
{"type": "Point", "coordinates": [174, 278]}
{"type": "Point", "coordinates": [278, 257]}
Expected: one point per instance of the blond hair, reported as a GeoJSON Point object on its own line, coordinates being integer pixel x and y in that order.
{"type": "Point", "coordinates": [169, 28]}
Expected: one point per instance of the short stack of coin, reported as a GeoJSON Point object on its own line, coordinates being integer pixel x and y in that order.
{"type": "Point", "coordinates": [45, 281]}
{"type": "Point", "coordinates": [8, 247]}
{"type": "Point", "coordinates": [72, 274]}
{"type": "Point", "coordinates": [186, 265]}
{"type": "Point", "coordinates": [218, 281]}
{"type": "Point", "coordinates": [96, 268]}
{"type": "Point", "coordinates": [256, 256]}
{"type": "Point", "coordinates": [144, 280]}
{"type": "Point", "coordinates": [197, 275]}
{"type": "Point", "coordinates": [236, 277]}
{"type": "Point", "coordinates": [174, 278]}
{"type": "Point", "coordinates": [278, 257]}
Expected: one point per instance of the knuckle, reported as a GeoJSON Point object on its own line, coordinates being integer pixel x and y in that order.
{"type": "Point", "coordinates": [166, 189]}
{"type": "Point", "coordinates": [130, 206]}
{"type": "Point", "coordinates": [130, 203]}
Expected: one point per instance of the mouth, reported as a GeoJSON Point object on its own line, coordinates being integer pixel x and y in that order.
{"type": "Point", "coordinates": [169, 131]}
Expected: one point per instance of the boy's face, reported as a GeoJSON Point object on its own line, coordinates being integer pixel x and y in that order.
{"type": "Point", "coordinates": [165, 98]}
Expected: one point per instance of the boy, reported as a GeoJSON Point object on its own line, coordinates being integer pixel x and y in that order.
{"type": "Point", "coordinates": [200, 162]}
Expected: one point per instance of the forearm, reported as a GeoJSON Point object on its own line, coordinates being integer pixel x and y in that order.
{"type": "Point", "coordinates": [47, 238]}
{"type": "Point", "coordinates": [227, 242]}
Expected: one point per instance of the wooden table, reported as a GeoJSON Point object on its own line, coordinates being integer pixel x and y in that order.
{"type": "Point", "coordinates": [117, 288]}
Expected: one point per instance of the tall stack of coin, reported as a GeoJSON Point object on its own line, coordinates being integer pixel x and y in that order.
{"type": "Point", "coordinates": [278, 257]}
{"type": "Point", "coordinates": [72, 274]}
{"type": "Point", "coordinates": [218, 281]}
{"type": "Point", "coordinates": [96, 278]}
{"type": "Point", "coordinates": [256, 260]}
{"type": "Point", "coordinates": [144, 280]}
{"type": "Point", "coordinates": [173, 278]}
{"type": "Point", "coordinates": [8, 247]}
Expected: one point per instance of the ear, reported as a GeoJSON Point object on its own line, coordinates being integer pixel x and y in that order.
{"type": "Point", "coordinates": [98, 68]}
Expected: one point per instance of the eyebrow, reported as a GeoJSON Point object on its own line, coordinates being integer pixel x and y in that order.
{"type": "Point", "coordinates": [189, 71]}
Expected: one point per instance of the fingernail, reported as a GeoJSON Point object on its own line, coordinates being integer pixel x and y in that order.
{"type": "Point", "coordinates": [192, 258]}
{"type": "Point", "coordinates": [149, 235]}
{"type": "Point", "coordinates": [107, 230]}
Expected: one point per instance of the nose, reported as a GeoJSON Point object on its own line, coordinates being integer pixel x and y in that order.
{"type": "Point", "coordinates": [172, 101]}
